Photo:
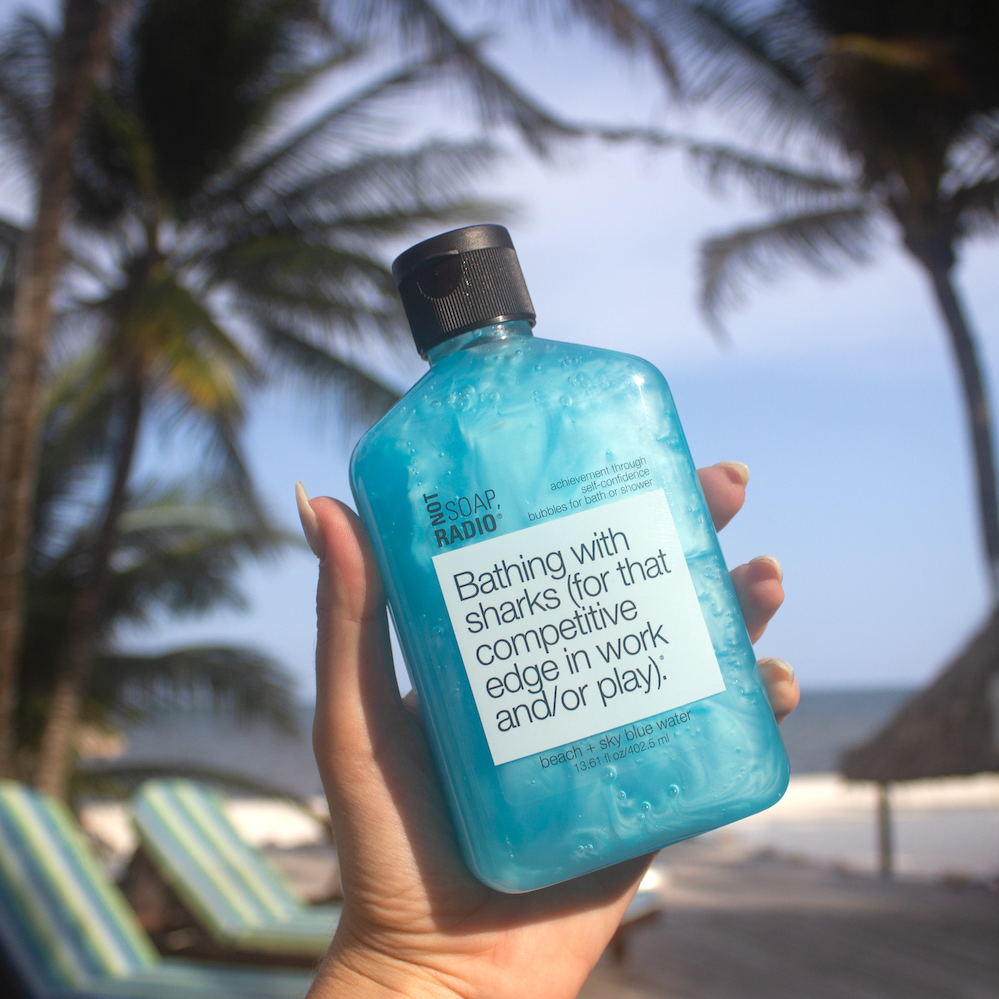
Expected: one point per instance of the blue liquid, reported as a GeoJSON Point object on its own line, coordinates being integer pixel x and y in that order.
{"type": "Point", "coordinates": [501, 410]}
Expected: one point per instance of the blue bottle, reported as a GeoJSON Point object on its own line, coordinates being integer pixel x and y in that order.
{"type": "Point", "coordinates": [589, 690]}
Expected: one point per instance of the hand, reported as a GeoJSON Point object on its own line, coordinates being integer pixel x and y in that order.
{"type": "Point", "coordinates": [415, 922]}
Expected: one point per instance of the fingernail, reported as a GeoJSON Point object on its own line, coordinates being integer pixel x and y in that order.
{"type": "Point", "coordinates": [780, 664]}
{"type": "Point", "coordinates": [738, 467]}
{"type": "Point", "coordinates": [770, 560]}
{"type": "Point", "coordinates": [310, 522]}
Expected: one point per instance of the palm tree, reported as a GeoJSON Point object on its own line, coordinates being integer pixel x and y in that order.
{"type": "Point", "coordinates": [200, 210]}
{"type": "Point", "coordinates": [892, 110]}
{"type": "Point", "coordinates": [87, 23]}
{"type": "Point", "coordinates": [214, 249]}
{"type": "Point", "coordinates": [178, 550]}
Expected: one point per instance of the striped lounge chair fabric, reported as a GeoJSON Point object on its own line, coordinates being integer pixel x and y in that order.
{"type": "Point", "coordinates": [66, 932]}
{"type": "Point", "coordinates": [231, 888]}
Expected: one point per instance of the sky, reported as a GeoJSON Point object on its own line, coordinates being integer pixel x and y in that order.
{"type": "Point", "coordinates": [840, 395]}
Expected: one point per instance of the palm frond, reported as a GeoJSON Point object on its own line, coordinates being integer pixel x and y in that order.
{"type": "Point", "coordinates": [279, 169]}
{"type": "Point", "coordinates": [822, 241]}
{"type": "Point", "coordinates": [420, 26]}
{"type": "Point", "coordinates": [240, 681]}
{"type": "Point", "coordinates": [749, 60]}
{"type": "Point", "coordinates": [371, 230]}
{"type": "Point", "coordinates": [295, 81]}
{"type": "Point", "coordinates": [202, 502]}
{"type": "Point", "coordinates": [181, 551]}
{"type": "Point", "coordinates": [976, 208]}
{"type": "Point", "coordinates": [112, 167]}
{"type": "Point", "coordinates": [77, 439]}
{"type": "Point", "coordinates": [25, 90]}
{"type": "Point", "coordinates": [775, 184]}
{"type": "Point", "coordinates": [499, 102]}
{"type": "Point", "coordinates": [11, 240]}
{"type": "Point", "coordinates": [281, 273]}
{"type": "Point", "coordinates": [973, 155]}
{"type": "Point", "coordinates": [203, 76]}
{"type": "Point", "coordinates": [183, 344]}
{"type": "Point", "coordinates": [360, 396]}
{"type": "Point", "coordinates": [434, 174]}
{"type": "Point", "coordinates": [626, 24]}
{"type": "Point", "coordinates": [123, 137]}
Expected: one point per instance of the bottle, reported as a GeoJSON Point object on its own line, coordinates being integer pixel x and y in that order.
{"type": "Point", "coordinates": [588, 687]}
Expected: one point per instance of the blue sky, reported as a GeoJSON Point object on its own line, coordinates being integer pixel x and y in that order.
{"type": "Point", "coordinates": [840, 394]}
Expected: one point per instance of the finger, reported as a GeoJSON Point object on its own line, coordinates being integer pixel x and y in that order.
{"type": "Point", "coordinates": [357, 699]}
{"type": "Point", "coordinates": [758, 587]}
{"type": "Point", "coordinates": [724, 487]}
{"type": "Point", "coordinates": [781, 685]}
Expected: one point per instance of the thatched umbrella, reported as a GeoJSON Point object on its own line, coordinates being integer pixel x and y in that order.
{"type": "Point", "coordinates": [949, 729]}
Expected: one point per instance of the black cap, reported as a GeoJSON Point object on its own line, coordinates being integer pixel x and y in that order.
{"type": "Point", "coordinates": [459, 281]}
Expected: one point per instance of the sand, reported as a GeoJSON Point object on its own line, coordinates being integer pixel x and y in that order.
{"type": "Point", "coordinates": [778, 906]}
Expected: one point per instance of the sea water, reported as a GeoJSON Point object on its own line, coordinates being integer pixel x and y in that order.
{"type": "Point", "coordinates": [586, 680]}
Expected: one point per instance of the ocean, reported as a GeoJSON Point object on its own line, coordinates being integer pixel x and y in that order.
{"type": "Point", "coordinates": [942, 829]}
{"type": "Point", "coordinates": [826, 723]}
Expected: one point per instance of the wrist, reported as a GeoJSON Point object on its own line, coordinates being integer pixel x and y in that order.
{"type": "Point", "coordinates": [352, 970]}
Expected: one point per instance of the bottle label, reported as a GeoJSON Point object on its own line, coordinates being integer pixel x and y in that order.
{"type": "Point", "coordinates": [578, 625]}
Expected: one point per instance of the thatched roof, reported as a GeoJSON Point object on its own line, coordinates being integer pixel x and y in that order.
{"type": "Point", "coordinates": [949, 729]}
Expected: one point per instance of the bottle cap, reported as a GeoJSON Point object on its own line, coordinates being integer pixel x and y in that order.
{"type": "Point", "coordinates": [459, 281]}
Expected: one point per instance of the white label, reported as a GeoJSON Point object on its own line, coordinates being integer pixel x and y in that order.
{"type": "Point", "coordinates": [577, 626]}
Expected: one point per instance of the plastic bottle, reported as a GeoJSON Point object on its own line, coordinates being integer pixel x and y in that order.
{"type": "Point", "coordinates": [587, 684]}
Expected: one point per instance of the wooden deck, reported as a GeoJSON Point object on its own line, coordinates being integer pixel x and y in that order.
{"type": "Point", "coordinates": [769, 928]}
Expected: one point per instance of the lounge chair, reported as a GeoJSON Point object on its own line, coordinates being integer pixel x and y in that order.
{"type": "Point", "coordinates": [236, 894]}
{"type": "Point", "coordinates": [244, 903]}
{"type": "Point", "coordinates": [67, 933]}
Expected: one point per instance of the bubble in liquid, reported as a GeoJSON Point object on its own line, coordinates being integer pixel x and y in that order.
{"type": "Point", "coordinates": [646, 806]}
{"type": "Point", "coordinates": [621, 794]}
{"type": "Point", "coordinates": [565, 400]}
{"type": "Point", "coordinates": [674, 790]}
{"type": "Point", "coordinates": [609, 774]}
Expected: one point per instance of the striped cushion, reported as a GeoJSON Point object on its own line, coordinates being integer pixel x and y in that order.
{"type": "Point", "coordinates": [66, 913]}
{"type": "Point", "coordinates": [175, 978]}
{"type": "Point", "coordinates": [232, 889]}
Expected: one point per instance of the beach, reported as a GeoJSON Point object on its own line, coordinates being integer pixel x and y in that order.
{"type": "Point", "coordinates": [743, 925]}
{"type": "Point", "coordinates": [783, 905]}
{"type": "Point", "coordinates": [942, 828]}
{"type": "Point", "coordinates": [786, 903]}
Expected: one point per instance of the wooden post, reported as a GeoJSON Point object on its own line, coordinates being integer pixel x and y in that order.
{"type": "Point", "coordinates": [884, 830]}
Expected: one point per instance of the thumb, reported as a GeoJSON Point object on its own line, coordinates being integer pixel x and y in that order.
{"type": "Point", "coordinates": [357, 698]}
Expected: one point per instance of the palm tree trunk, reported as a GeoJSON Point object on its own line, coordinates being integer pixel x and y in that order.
{"type": "Point", "coordinates": [84, 629]}
{"type": "Point", "coordinates": [977, 407]}
{"type": "Point", "coordinates": [85, 26]}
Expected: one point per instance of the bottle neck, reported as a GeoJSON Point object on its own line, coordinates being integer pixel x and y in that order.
{"type": "Point", "coordinates": [495, 331]}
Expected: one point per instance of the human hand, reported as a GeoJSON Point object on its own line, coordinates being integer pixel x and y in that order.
{"type": "Point", "coordinates": [415, 921]}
